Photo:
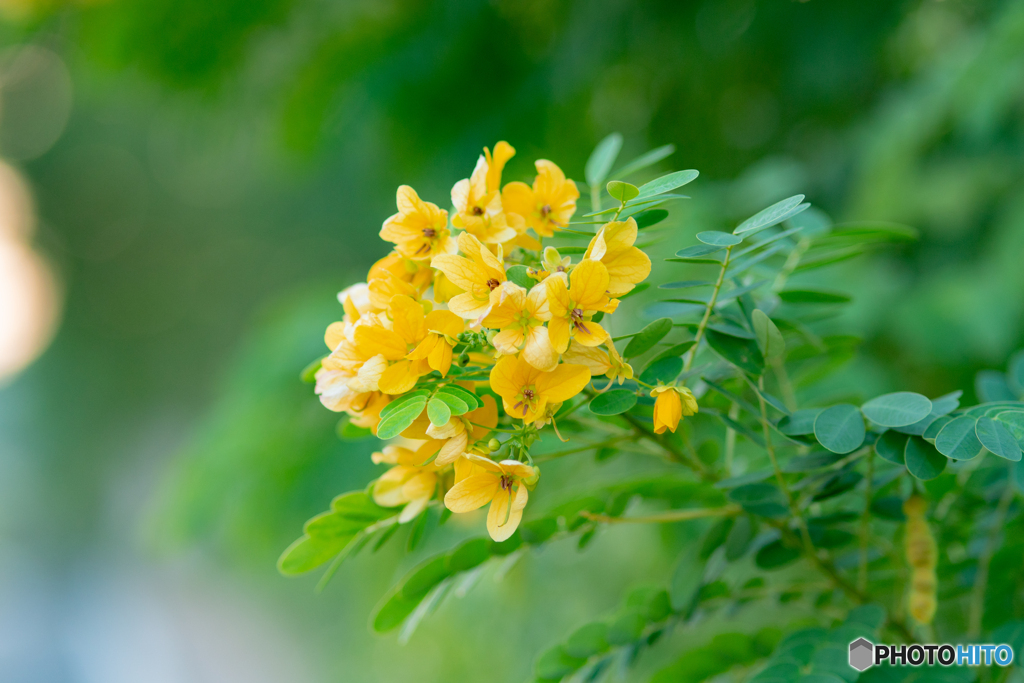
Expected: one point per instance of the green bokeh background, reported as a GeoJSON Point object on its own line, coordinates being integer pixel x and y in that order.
{"type": "Point", "coordinates": [223, 172]}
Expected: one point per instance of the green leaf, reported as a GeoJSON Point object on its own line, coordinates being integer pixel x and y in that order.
{"type": "Point", "coordinates": [622, 191]}
{"type": "Point", "coordinates": [1015, 373]}
{"type": "Point", "coordinates": [427, 575]}
{"type": "Point", "coordinates": [812, 296]}
{"type": "Point", "coordinates": [399, 420]}
{"type": "Point", "coordinates": [994, 436]}
{"type": "Point", "coordinates": [626, 629]}
{"type": "Point", "coordinates": [889, 507]}
{"type": "Point", "coordinates": [350, 432]}
{"type": "Point", "coordinates": [923, 461]}
{"type": "Point", "coordinates": [718, 239]}
{"type": "Point", "coordinates": [645, 339]}
{"type": "Point", "coordinates": [468, 555]}
{"type": "Point", "coordinates": [438, 412]}
{"type": "Point", "coordinates": [891, 446]}
{"type": "Point", "coordinates": [686, 284]}
{"type": "Point", "coordinates": [601, 159]}
{"type": "Point", "coordinates": [799, 423]}
{"type": "Point", "coordinates": [773, 215]}
{"type": "Point", "coordinates": [613, 402]}
{"type": "Point", "coordinates": [898, 409]}
{"type": "Point", "coordinates": [588, 640]}
{"type": "Point", "coordinates": [555, 663]}
{"type": "Point", "coordinates": [958, 440]}
{"type": "Point", "coordinates": [456, 405]}
{"type": "Point", "coordinates": [993, 386]}
{"type": "Point", "coordinates": [1014, 421]}
{"type": "Point", "coordinates": [699, 251]}
{"type": "Point", "coordinates": [675, 350]}
{"type": "Point", "coordinates": [308, 374]}
{"type": "Point", "coordinates": [392, 611]}
{"type": "Point", "coordinates": [662, 371]}
{"type": "Point", "coordinates": [743, 353]}
{"type": "Point", "coordinates": [775, 555]}
{"type": "Point", "coordinates": [840, 428]}
{"type": "Point", "coordinates": [769, 339]}
{"type": "Point", "coordinates": [520, 276]}
{"type": "Point", "coordinates": [650, 217]}
{"type": "Point", "coordinates": [738, 542]}
{"type": "Point", "coordinates": [667, 183]}
{"type": "Point", "coordinates": [935, 427]}
{"type": "Point", "coordinates": [466, 396]}
{"type": "Point", "coordinates": [307, 554]}
{"type": "Point", "coordinates": [644, 160]}
{"type": "Point", "coordinates": [359, 505]}
{"type": "Point", "coordinates": [811, 461]}
{"type": "Point", "coordinates": [764, 500]}
{"type": "Point", "coordinates": [401, 401]}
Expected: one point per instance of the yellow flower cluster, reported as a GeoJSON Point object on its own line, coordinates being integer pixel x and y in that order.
{"type": "Point", "coordinates": [444, 293]}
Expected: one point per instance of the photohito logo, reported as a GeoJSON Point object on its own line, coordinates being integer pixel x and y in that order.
{"type": "Point", "coordinates": [865, 654]}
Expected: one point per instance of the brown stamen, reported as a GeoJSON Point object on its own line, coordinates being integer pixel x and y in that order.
{"type": "Point", "coordinates": [545, 211]}
{"type": "Point", "coordinates": [506, 482]}
{"type": "Point", "coordinates": [429, 232]}
{"type": "Point", "coordinates": [492, 283]}
{"type": "Point", "coordinates": [478, 211]}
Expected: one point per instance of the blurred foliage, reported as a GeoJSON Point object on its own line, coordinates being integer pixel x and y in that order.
{"type": "Point", "coordinates": [221, 154]}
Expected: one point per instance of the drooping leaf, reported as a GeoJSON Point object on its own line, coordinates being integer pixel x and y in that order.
{"type": "Point", "coordinates": [718, 239]}
{"type": "Point", "coordinates": [601, 159]}
{"type": "Point", "coordinates": [769, 339]}
{"type": "Point", "coordinates": [698, 253]}
{"type": "Point", "coordinates": [587, 640]}
{"type": "Point", "coordinates": [1014, 421]}
{"type": "Point", "coordinates": [993, 386]}
{"type": "Point", "coordinates": [811, 461]}
{"type": "Point", "coordinates": [613, 402]}
{"type": "Point", "coordinates": [897, 409]}
{"type": "Point", "coordinates": [400, 419]}
{"type": "Point", "coordinates": [775, 555]}
{"type": "Point", "coordinates": [663, 370]}
{"type": "Point", "coordinates": [958, 440]}
{"type": "Point", "coordinates": [774, 214]}
{"type": "Point", "coordinates": [675, 350]}
{"type": "Point", "coordinates": [646, 219]}
{"type": "Point", "coordinates": [840, 428]}
{"type": "Point", "coordinates": [555, 663]}
{"type": "Point", "coordinates": [923, 461]}
{"type": "Point", "coordinates": [799, 423]}
{"type": "Point", "coordinates": [996, 437]}
{"type": "Point", "coordinates": [645, 339]}
{"type": "Point", "coordinates": [761, 499]}
{"type": "Point", "coordinates": [742, 353]}
{"type": "Point", "coordinates": [520, 276]}
{"type": "Point", "coordinates": [891, 446]}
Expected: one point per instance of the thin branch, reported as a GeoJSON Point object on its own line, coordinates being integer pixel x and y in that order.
{"type": "Point", "coordinates": [865, 528]}
{"type": "Point", "coordinates": [977, 606]}
{"type": "Point", "coordinates": [707, 311]}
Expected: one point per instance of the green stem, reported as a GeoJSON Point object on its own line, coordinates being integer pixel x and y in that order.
{"type": "Point", "coordinates": [544, 457]}
{"type": "Point", "coordinates": [730, 438]}
{"type": "Point", "coordinates": [791, 263]}
{"type": "Point", "coordinates": [782, 377]}
{"type": "Point", "coordinates": [865, 528]}
{"type": "Point", "coordinates": [595, 198]}
{"type": "Point", "coordinates": [707, 311]}
{"type": "Point", "coordinates": [668, 517]}
{"type": "Point", "coordinates": [977, 607]}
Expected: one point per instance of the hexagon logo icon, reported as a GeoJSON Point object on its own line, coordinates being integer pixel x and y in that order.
{"type": "Point", "coordinates": [861, 654]}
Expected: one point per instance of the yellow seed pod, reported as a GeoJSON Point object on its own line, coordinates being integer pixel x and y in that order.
{"type": "Point", "coordinates": [921, 552]}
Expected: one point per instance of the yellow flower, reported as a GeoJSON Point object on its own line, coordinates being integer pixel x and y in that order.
{"type": "Point", "coordinates": [479, 209]}
{"type": "Point", "coordinates": [479, 481]}
{"type": "Point", "coordinates": [430, 339]}
{"type": "Point", "coordinates": [574, 304]}
{"type": "Point", "coordinates": [525, 391]}
{"type": "Point", "coordinates": [416, 273]}
{"type": "Point", "coordinates": [552, 262]}
{"type": "Point", "coordinates": [521, 317]}
{"type": "Point", "coordinates": [670, 404]}
{"type": "Point", "coordinates": [626, 264]}
{"type": "Point", "coordinates": [419, 229]}
{"type": "Point", "coordinates": [496, 163]}
{"type": "Point", "coordinates": [608, 363]}
{"type": "Point", "coordinates": [478, 276]}
{"type": "Point", "coordinates": [407, 483]}
{"type": "Point", "coordinates": [548, 205]}
{"type": "Point", "coordinates": [453, 439]}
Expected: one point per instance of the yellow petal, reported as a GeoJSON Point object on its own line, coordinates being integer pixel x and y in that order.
{"type": "Point", "coordinates": [517, 198]}
{"type": "Point", "coordinates": [460, 195]}
{"type": "Point", "coordinates": [445, 322]}
{"type": "Point", "coordinates": [399, 378]}
{"type": "Point", "coordinates": [407, 317]}
{"type": "Point", "coordinates": [372, 340]}
{"type": "Point", "coordinates": [589, 284]}
{"type": "Point", "coordinates": [538, 351]}
{"type": "Point", "coordinates": [468, 307]}
{"type": "Point", "coordinates": [559, 300]}
{"type": "Point", "coordinates": [503, 376]}
{"type": "Point", "coordinates": [369, 375]}
{"type": "Point", "coordinates": [453, 449]}
{"type": "Point", "coordinates": [501, 521]}
{"type": "Point", "coordinates": [558, 334]}
{"type": "Point", "coordinates": [593, 358]}
{"type": "Point", "coordinates": [420, 485]}
{"type": "Point", "coordinates": [335, 335]}
{"type": "Point", "coordinates": [462, 272]}
{"type": "Point", "coordinates": [496, 163]}
{"type": "Point", "coordinates": [413, 509]}
{"type": "Point", "coordinates": [590, 334]}
{"type": "Point", "coordinates": [387, 491]}
{"type": "Point", "coordinates": [472, 493]}
{"type": "Point", "coordinates": [563, 383]}
{"type": "Point", "coordinates": [440, 358]}
{"type": "Point", "coordinates": [667, 411]}
{"type": "Point", "coordinates": [537, 303]}
{"type": "Point", "coordinates": [484, 418]}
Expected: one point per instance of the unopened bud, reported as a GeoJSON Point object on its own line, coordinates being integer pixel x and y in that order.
{"type": "Point", "coordinates": [493, 445]}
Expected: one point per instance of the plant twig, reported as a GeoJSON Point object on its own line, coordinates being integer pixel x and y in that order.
{"type": "Point", "coordinates": [865, 528]}
{"type": "Point", "coordinates": [977, 606]}
{"type": "Point", "coordinates": [707, 311]}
